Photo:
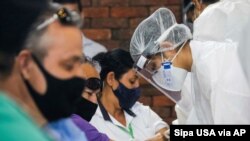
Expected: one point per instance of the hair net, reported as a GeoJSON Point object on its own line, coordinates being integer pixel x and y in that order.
{"type": "Point", "coordinates": [151, 32]}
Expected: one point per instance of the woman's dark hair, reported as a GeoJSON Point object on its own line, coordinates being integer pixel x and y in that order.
{"type": "Point", "coordinates": [209, 1]}
{"type": "Point", "coordinates": [118, 61]}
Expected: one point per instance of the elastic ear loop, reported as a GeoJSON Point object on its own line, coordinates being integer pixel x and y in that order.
{"type": "Point", "coordinates": [179, 51]}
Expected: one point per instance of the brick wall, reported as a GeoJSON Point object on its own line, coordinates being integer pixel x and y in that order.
{"type": "Point", "coordinates": [112, 23]}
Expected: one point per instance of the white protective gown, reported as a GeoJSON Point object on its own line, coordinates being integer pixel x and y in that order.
{"type": "Point", "coordinates": [221, 92]}
{"type": "Point", "coordinates": [227, 19]}
{"type": "Point", "coordinates": [224, 20]}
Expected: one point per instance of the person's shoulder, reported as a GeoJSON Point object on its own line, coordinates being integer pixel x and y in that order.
{"type": "Point", "coordinates": [91, 43]}
{"type": "Point", "coordinates": [97, 117]}
{"type": "Point", "coordinates": [4, 98]}
{"type": "Point", "coordinates": [92, 48]}
{"type": "Point", "coordinates": [12, 115]}
{"type": "Point", "coordinates": [78, 119]}
{"type": "Point", "coordinates": [9, 105]}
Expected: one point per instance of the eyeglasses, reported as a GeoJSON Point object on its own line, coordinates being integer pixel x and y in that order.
{"type": "Point", "coordinates": [93, 83]}
{"type": "Point", "coordinates": [65, 16]}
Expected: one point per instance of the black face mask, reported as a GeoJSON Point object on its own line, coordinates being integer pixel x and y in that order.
{"type": "Point", "coordinates": [85, 108]}
{"type": "Point", "coordinates": [127, 97]}
{"type": "Point", "coordinates": [60, 96]}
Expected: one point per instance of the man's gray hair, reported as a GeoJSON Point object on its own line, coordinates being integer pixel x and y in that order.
{"type": "Point", "coordinates": [37, 41]}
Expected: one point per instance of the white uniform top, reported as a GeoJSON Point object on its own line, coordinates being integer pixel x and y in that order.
{"type": "Point", "coordinates": [144, 125]}
{"type": "Point", "coordinates": [221, 92]}
{"type": "Point", "coordinates": [92, 48]}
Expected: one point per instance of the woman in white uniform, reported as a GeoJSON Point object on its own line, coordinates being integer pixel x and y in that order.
{"type": "Point", "coordinates": [119, 115]}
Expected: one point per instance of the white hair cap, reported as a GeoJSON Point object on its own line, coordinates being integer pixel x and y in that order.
{"type": "Point", "coordinates": [159, 27]}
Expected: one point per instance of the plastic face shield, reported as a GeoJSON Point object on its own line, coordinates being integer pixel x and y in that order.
{"type": "Point", "coordinates": [147, 41]}
{"type": "Point", "coordinates": [146, 68]}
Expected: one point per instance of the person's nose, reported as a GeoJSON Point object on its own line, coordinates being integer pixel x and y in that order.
{"type": "Point", "coordinates": [137, 83]}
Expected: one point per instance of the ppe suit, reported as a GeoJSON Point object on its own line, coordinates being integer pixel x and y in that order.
{"type": "Point", "coordinates": [230, 21]}
{"type": "Point", "coordinates": [220, 91]}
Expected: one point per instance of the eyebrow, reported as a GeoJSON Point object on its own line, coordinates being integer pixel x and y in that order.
{"type": "Point", "coordinates": [77, 58]}
{"type": "Point", "coordinates": [134, 78]}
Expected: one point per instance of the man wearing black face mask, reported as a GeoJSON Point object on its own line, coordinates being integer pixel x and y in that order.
{"type": "Point", "coordinates": [15, 123]}
{"type": "Point", "coordinates": [50, 69]}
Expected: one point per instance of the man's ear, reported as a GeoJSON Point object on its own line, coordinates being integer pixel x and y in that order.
{"type": "Point", "coordinates": [24, 60]}
{"type": "Point", "coordinates": [110, 79]}
{"type": "Point", "coordinates": [197, 4]}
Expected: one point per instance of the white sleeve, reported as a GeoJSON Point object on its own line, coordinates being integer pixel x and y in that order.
{"type": "Point", "coordinates": [151, 117]}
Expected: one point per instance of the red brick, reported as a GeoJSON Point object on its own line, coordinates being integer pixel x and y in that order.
{"type": "Point", "coordinates": [110, 23]}
{"type": "Point", "coordinates": [177, 12]}
{"type": "Point", "coordinates": [124, 44]}
{"type": "Point", "coordinates": [163, 112]}
{"type": "Point", "coordinates": [129, 12]}
{"type": "Point", "coordinates": [146, 100]}
{"type": "Point", "coordinates": [162, 100]}
{"type": "Point", "coordinates": [122, 34]}
{"type": "Point", "coordinates": [176, 9]}
{"type": "Point", "coordinates": [147, 2]}
{"type": "Point", "coordinates": [176, 2]}
{"type": "Point", "coordinates": [86, 23]}
{"type": "Point", "coordinates": [110, 44]}
{"type": "Point", "coordinates": [98, 34]}
{"type": "Point", "coordinates": [114, 2]}
{"type": "Point", "coordinates": [85, 3]}
{"type": "Point", "coordinates": [133, 23]}
{"type": "Point", "coordinates": [100, 12]}
{"type": "Point", "coordinates": [152, 9]}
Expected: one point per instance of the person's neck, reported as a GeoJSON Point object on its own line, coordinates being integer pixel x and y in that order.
{"type": "Point", "coordinates": [111, 106]}
{"type": "Point", "coordinates": [184, 58]}
{"type": "Point", "coordinates": [21, 96]}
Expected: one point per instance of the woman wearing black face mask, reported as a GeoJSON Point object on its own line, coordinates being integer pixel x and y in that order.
{"type": "Point", "coordinates": [86, 106]}
{"type": "Point", "coordinates": [119, 115]}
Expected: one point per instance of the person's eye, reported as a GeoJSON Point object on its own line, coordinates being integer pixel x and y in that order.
{"type": "Point", "coordinates": [132, 82]}
{"type": "Point", "coordinates": [89, 93]}
{"type": "Point", "coordinates": [68, 67]}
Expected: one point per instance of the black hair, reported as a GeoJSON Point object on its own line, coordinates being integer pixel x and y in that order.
{"type": "Point", "coordinates": [118, 61]}
{"type": "Point", "coordinates": [209, 1]}
{"type": "Point", "coordinates": [191, 8]}
{"type": "Point", "coordinates": [6, 64]}
{"type": "Point", "coordinates": [13, 35]}
{"type": "Point", "coordinates": [78, 2]}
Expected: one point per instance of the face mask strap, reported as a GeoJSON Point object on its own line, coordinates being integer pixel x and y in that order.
{"type": "Point", "coordinates": [179, 51]}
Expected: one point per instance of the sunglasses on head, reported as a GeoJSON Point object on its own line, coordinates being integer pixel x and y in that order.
{"type": "Point", "coordinates": [65, 17]}
{"type": "Point", "coordinates": [93, 83]}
